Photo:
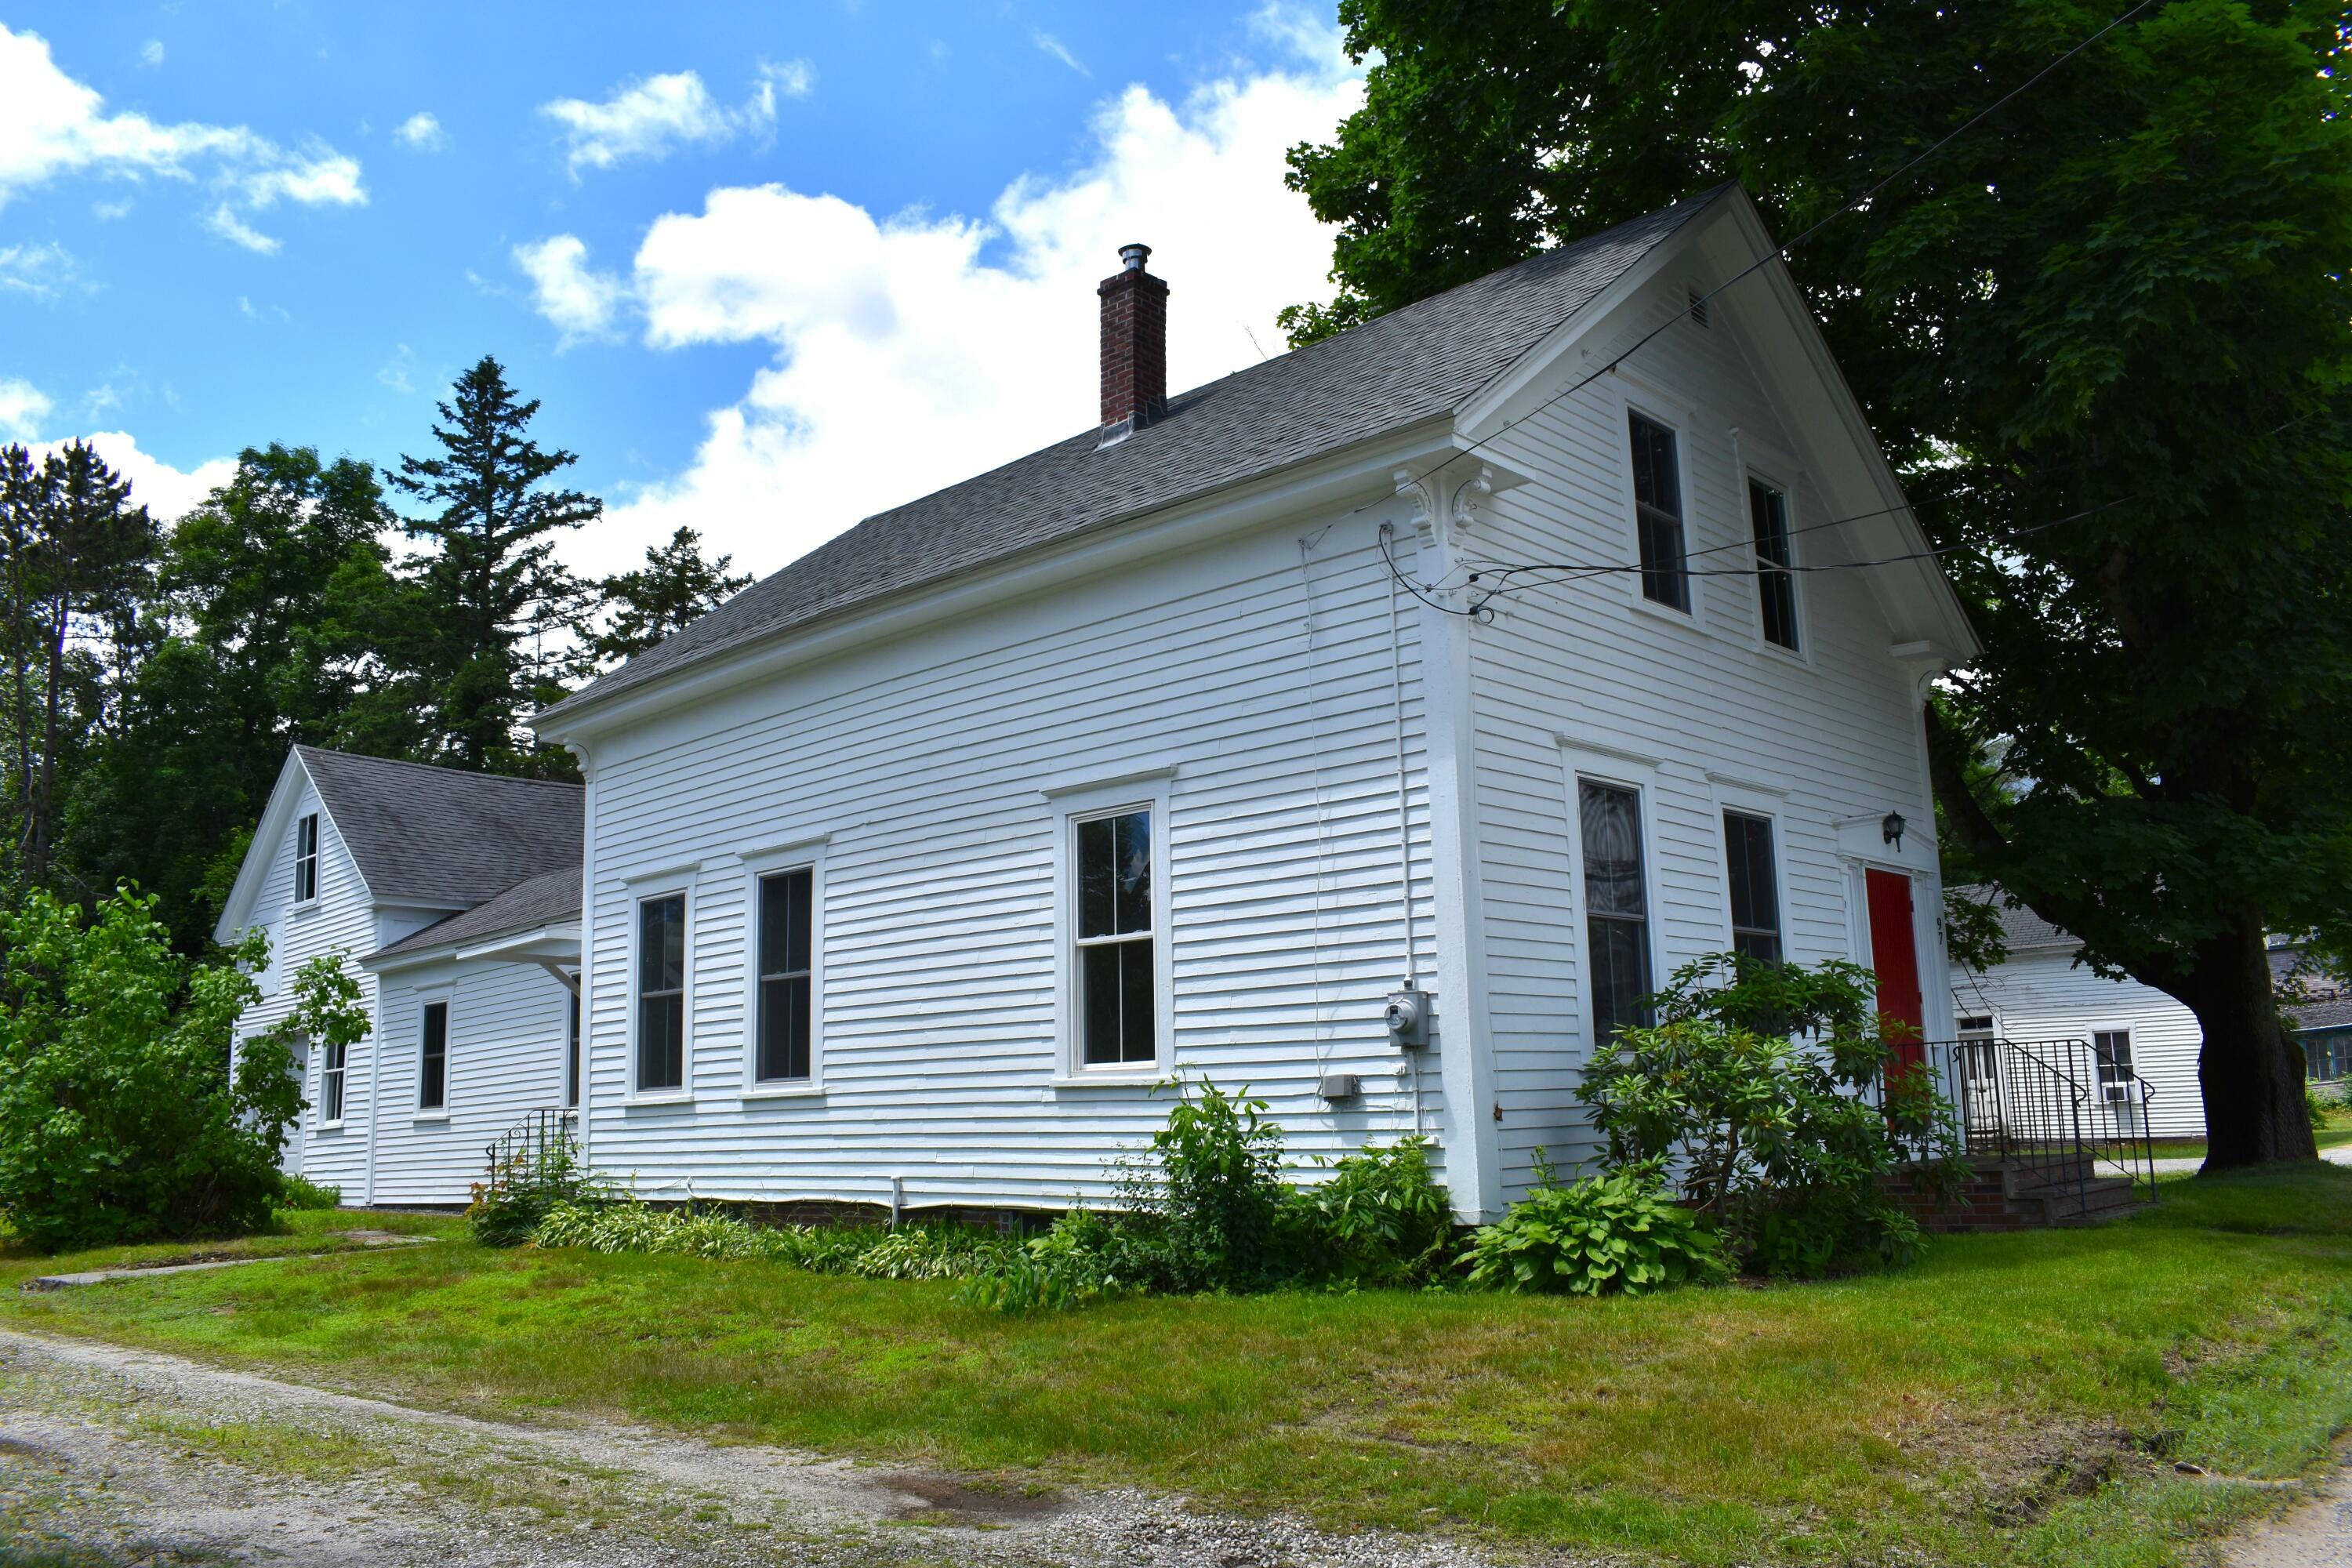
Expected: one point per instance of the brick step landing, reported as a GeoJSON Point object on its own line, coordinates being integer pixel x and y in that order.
{"type": "Point", "coordinates": [2005, 1194]}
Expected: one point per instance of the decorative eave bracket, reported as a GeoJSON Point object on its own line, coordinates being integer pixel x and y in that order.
{"type": "Point", "coordinates": [1452, 494]}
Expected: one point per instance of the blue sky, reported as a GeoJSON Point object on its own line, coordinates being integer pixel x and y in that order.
{"type": "Point", "coordinates": [770, 268]}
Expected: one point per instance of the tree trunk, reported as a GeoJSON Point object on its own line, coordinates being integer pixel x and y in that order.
{"type": "Point", "coordinates": [2250, 1074]}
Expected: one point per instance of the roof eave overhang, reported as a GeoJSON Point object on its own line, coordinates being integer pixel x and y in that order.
{"type": "Point", "coordinates": [541, 945]}
{"type": "Point", "coordinates": [1363, 471]}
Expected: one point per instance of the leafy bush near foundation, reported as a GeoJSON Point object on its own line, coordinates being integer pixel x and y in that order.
{"type": "Point", "coordinates": [301, 1193]}
{"type": "Point", "coordinates": [1381, 1218]}
{"type": "Point", "coordinates": [528, 1185]}
{"type": "Point", "coordinates": [1604, 1235]}
{"type": "Point", "coordinates": [1772, 1092]}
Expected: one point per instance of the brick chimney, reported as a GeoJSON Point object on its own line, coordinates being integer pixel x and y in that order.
{"type": "Point", "coordinates": [1134, 345]}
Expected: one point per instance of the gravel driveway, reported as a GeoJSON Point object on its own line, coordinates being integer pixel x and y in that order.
{"type": "Point", "coordinates": [114, 1456]}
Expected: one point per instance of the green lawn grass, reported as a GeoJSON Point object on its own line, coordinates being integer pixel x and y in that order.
{"type": "Point", "coordinates": [2194, 1148]}
{"type": "Point", "coordinates": [2014, 1398]}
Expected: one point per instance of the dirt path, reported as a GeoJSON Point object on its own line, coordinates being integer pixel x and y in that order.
{"type": "Point", "coordinates": [2315, 1534]}
{"type": "Point", "coordinates": [112, 1456]}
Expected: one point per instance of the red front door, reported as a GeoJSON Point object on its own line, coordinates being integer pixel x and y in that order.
{"type": "Point", "coordinates": [1895, 954]}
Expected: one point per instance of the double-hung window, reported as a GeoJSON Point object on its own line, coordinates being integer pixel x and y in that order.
{"type": "Point", "coordinates": [1117, 1015]}
{"type": "Point", "coordinates": [1755, 889]}
{"type": "Point", "coordinates": [572, 1049]}
{"type": "Point", "coordinates": [661, 992]}
{"type": "Point", "coordinates": [1658, 514]}
{"type": "Point", "coordinates": [786, 976]}
{"type": "Point", "coordinates": [330, 1081]}
{"type": "Point", "coordinates": [1776, 581]}
{"type": "Point", "coordinates": [1616, 908]}
{"type": "Point", "coordinates": [433, 1059]}
{"type": "Point", "coordinates": [306, 859]}
{"type": "Point", "coordinates": [2113, 1049]}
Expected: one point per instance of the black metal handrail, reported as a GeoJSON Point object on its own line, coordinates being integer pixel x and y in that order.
{"type": "Point", "coordinates": [527, 1146]}
{"type": "Point", "coordinates": [2045, 1107]}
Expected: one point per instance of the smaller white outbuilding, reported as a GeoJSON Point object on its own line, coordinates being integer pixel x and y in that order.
{"type": "Point", "coordinates": [2043, 991]}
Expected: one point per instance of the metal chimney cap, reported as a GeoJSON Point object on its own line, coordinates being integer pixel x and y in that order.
{"type": "Point", "coordinates": [1132, 256]}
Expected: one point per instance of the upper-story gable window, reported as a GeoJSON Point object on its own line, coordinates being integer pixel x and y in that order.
{"type": "Point", "coordinates": [306, 859]}
{"type": "Point", "coordinates": [1776, 582]}
{"type": "Point", "coordinates": [1658, 514]}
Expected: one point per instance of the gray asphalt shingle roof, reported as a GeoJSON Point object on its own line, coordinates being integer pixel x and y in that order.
{"type": "Point", "coordinates": [2020, 927]}
{"type": "Point", "coordinates": [437, 835]}
{"type": "Point", "coordinates": [1410, 364]}
{"type": "Point", "coordinates": [543, 899]}
{"type": "Point", "coordinates": [2319, 1014]}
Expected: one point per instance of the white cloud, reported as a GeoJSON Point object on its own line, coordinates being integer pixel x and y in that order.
{"type": "Point", "coordinates": [585, 303]}
{"type": "Point", "coordinates": [653, 118]}
{"type": "Point", "coordinates": [422, 131]}
{"type": "Point", "coordinates": [1060, 51]}
{"type": "Point", "coordinates": [107, 211]}
{"type": "Point", "coordinates": [151, 53]}
{"type": "Point", "coordinates": [23, 407]}
{"type": "Point", "coordinates": [912, 351]}
{"type": "Point", "coordinates": [165, 491]}
{"type": "Point", "coordinates": [40, 272]}
{"type": "Point", "coordinates": [394, 372]}
{"type": "Point", "coordinates": [52, 126]}
{"type": "Point", "coordinates": [222, 221]}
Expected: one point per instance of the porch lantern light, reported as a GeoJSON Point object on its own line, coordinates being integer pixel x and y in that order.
{"type": "Point", "coordinates": [1890, 831]}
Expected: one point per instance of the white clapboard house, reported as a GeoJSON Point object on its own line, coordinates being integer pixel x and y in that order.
{"type": "Point", "coordinates": [1174, 748]}
{"type": "Point", "coordinates": [2042, 992]}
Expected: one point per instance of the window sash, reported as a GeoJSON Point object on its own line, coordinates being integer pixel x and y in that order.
{"type": "Point", "coordinates": [572, 1051]}
{"type": "Point", "coordinates": [1114, 961]}
{"type": "Point", "coordinates": [1616, 908]}
{"type": "Point", "coordinates": [433, 1059]}
{"type": "Point", "coordinates": [1658, 514]}
{"type": "Point", "coordinates": [330, 1082]}
{"type": "Point", "coordinates": [306, 859]}
{"type": "Point", "coordinates": [1753, 885]}
{"type": "Point", "coordinates": [2113, 1049]}
{"type": "Point", "coordinates": [786, 977]}
{"type": "Point", "coordinates": [661, 992]}
{"type": "Point", "coordinates": [1776, 584]}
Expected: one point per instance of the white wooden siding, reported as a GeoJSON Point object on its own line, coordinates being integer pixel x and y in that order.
{"type": "Point", "coordinates": [508, 1030]}
{"type": "Point", "coordinates": [1828, 734]}
{"type": "Point", "coordinates": [922, 761]}
{"type": "Point", "coordinates": [2041, 993]}
{"type": "Point", "coordinates": [338, 920]}
{"type": "Point", "coordinates": [508, 1025]}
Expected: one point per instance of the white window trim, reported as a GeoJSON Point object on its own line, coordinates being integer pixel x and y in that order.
{"type": "Point", "coordinates": [315, 1069]}
{"type": "Point", "coordinates": [1754, 459]}
{"type": "Point", "coordinates": [417, 1111]}
{"type": "Point", "coordinates": [659, 884]}
{"type": "Point", "coordinates": [1749, 800]}
{"type": "Point", "coordinates": [564, 1047]}
{"type": "Point", "coordinates": [1681, 417]}
{"type": "Point", "coordinates": [1608, 766]}
{"type": "Point", "coordinates": [806, 854]}
{"type": "Point", "coordinates": [1073, 804]}
{"type": "Point", "coordinates": [299, 904]}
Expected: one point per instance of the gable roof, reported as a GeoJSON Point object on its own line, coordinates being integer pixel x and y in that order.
{"type": "Point", "coordinates": [545, 899]}
{"type": "Point", "coordinates": [2020, 927]}
{"type": "Point", "coordinates": [2334, 1014]}
{"type": "Point", "coordinates": [423, 835]}
{"type": "Point", "coordinates": [1424, 360]}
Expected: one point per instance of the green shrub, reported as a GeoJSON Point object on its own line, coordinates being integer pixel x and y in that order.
{"type": "Point", "coordinates": [1766, 1087]}
{"type": "Point", "coordinates": [1381, 1218]}
{"type": "Point", "coordinates": [1620, 1232]}
{"type": "Point", "coordinates": [301, 1193]}
{"type": "Point", "coordinates": [529, 1183]}
{"type": "Point", "coordinates": [1084, 1259]}
{"type": "Point", "coordinates": [128, 1109]}
{"type": "Point", "coordinates": [1208, 1192]}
